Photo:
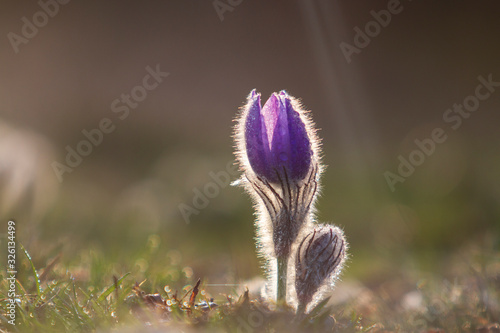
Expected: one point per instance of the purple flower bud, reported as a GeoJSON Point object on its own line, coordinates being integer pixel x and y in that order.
{"type": "Point", "coordinates": [276, 140]}
{"type": "Point", "coordinates": [319, 258]}
{"type": "Point", "coordinates": [278, 151]}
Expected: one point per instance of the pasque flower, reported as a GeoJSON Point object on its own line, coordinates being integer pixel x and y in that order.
{"type": "Point", "coordinates": [319, 259]}
{"type": "Point", "coordinates": [276, 140]}
{"type": "Point", "coordinates": [278, 153]}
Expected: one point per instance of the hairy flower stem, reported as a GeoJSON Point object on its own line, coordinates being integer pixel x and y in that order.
{"type": "Point", "coordinates": [282, 271]}
{"type": "Point", "coordinates": [301, 308]}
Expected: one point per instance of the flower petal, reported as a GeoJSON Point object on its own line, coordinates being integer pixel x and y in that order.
{"type": "Point", "coordinates": [256, 143]}
{"type": "Point", "coordinates": [299, 141]}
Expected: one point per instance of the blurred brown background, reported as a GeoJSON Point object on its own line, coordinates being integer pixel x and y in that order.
{"type": "Point", "coordinates": [369, 111]}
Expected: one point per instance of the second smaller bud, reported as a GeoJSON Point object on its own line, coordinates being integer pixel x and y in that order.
{"type": "Point", "coordinates": [319, 260]}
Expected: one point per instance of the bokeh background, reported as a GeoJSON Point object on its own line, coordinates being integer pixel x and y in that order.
{"type": "Point", "coordinates": [123, 200]}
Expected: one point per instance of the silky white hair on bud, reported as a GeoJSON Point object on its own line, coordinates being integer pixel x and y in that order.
{"type": "Point", "coordinates": [319, 259]}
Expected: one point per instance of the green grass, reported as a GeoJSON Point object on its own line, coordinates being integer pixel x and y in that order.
{"type": "Point", "coordinates": [62, 297]}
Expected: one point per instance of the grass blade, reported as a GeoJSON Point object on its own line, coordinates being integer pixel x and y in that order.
{"type": "Point", "coordinates": [35, 273]}
{"type": "Point", "coordinates": [111, 288]}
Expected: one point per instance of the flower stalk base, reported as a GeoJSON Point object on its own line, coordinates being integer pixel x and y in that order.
{"type": "Point", "coordinates": [281, 280]}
